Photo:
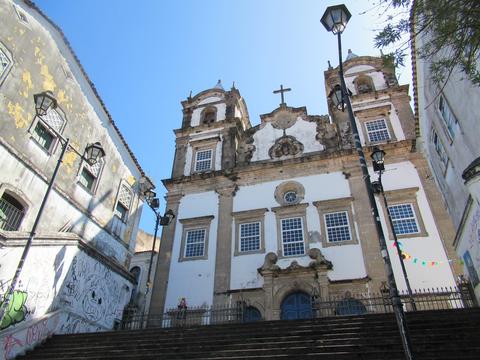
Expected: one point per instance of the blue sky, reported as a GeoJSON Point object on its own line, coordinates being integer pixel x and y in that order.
{"type": "Point", "coordinates": [146, 56]}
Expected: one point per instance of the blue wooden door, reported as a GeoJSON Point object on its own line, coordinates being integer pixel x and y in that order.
{"type": "Point", "coordinates": [296, 306]}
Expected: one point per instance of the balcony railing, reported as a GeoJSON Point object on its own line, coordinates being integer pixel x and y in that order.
{"type": "Point", "coordinates": [347, 305]}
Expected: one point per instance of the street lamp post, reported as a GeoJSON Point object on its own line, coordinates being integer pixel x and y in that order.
{"type": "Point", "coordinates": [93, 152]}
{"type": "Point", "coordinates": [165, 220]}
{"type": "Point", "coordinates": [377, 186]}
{"type": "Point", "coordinates": [335, 20]}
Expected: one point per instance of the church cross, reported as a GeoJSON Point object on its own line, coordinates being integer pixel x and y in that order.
{"type": "Point", "coordinates": [281, 91]}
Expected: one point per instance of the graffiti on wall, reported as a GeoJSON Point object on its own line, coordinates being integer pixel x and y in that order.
{"type": "Point", "coordinates": [16, 311]}
{"type": "Point", "coordinates": [94, 291]}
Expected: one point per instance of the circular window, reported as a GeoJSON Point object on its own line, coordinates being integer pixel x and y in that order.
{"type": "Point", "coordinates": [290, 197]}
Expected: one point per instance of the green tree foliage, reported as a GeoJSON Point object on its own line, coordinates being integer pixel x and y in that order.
{"type": "Point", "coordinates": [450, 31]}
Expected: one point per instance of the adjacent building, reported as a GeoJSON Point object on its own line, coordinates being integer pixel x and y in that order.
{"type": "Point", "coordinates": [77, 269]}
{"type": "Point", "coordinates": [275, 213]}
{"type": "Point", "coordinates": [449, 132]}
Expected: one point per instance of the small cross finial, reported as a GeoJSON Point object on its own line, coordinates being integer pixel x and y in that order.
{"type": "Point", "coordinates": [281, 91]}
{"type": "Point", "coordinates": [329, 65]}
{"type": "Point", "coordinates": [190, 95]}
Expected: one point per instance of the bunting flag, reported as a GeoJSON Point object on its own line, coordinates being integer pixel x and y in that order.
{"type": "Point", "coordinates": [415, 260]}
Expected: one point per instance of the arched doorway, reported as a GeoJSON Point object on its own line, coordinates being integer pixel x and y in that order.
{"type": "Point", "coordinates": [296, 306]}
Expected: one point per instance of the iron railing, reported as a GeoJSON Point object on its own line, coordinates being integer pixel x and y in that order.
{"type": "Point", "coordinates": [347, 305]}
{"type": "Point", "coordinates": [10, 216]}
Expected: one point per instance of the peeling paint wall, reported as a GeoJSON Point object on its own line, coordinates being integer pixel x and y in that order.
{"type": "Point", "coordinates": [41, 61]}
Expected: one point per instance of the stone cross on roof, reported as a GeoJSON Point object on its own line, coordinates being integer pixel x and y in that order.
{"type": "Point", "coordinates": [281, 91]}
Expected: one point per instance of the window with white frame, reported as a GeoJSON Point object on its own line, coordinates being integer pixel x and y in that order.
{"type": "Point", "coordinates": [377, 130]}
{"type": "Point", "coordinates": [46, 127]}
{"type": "Point", "coordinates": [90, 174]}
{"type": "Point", "coordinates": [124, 201]}
{"type": "Point", "coordinates": [337, 226]}
{"type": "Point", "coordinates": [448, 117]}
{"type": "Point", "coordinates": [292, 236]}
{"type": "Point", "coordinates": [403, 218]}
{"type": "Point", "coordinates": [195, 243]}
{"type": "Point", "coordinates": [250, 236]}
{"type": "Point", "coordinates": [439, 148]}
{"type": "Point", "coordinates": [203, 160]}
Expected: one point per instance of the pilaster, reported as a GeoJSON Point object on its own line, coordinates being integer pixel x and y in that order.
{"type": "Point", "coordinates": [367, 233]}
{"type": "Point", "coordinates": [162, 271]}
{"type": "Point", "coordinates": [224, 245]}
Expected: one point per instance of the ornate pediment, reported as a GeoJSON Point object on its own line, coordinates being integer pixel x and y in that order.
{"type": "Point", "coordinates": [285, 146]}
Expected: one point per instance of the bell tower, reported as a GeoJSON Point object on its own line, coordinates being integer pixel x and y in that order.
{"type": "Point", "coordinates": [213, 121]}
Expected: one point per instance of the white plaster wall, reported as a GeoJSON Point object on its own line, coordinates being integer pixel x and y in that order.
{"type": "Point", "coordinates": [430, 248]}
{"type": "Point", "coordinates": [221, 108]}
{"type": "Point", "coordinates": [303, 131]}
{"type": "Point", "coordinates": [193, 279]}
{"type": "Point", "coordinates": [63, 277]}
{"type": "Point", "coordinates": [348, 260]}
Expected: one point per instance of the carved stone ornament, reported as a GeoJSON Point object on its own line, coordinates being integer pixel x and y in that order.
{"type": "Point", "coordinates": [270, 263]}
{"type": "Point", "coordinates": [285, 146]}
{"type": "Point", "coordinates": [319, 260]}
{"type": "Point", "coordinates": [283, 120]}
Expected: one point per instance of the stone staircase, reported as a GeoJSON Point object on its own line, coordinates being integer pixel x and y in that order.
{"type": "Point", "coordinates": [441, 334]}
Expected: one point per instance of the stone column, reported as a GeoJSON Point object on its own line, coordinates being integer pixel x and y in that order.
{"type": "Point", "coordinates": [268, 301]}
{"type": "Point", "coordinates": [223, 256]}
{"type": "Point", "coordinates": [164, 257]}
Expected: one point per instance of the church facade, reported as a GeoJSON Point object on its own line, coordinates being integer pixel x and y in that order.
{"type": "Point", "coordinates": [280, 209]}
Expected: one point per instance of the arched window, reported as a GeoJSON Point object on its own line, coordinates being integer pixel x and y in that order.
{"type": "Point", "coordinates": [209, 115]}
{"type": "Point", "coordinates": [252, 314]}
{"type": "Point", "coordinates": [364, 84]}
{"type": "Point", "coordinates": [11, 212]}
{"type": "Point", "coordinates": [350, 306]}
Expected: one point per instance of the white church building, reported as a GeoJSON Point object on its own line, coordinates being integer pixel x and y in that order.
{"type": "Point", "coordinates": [275, 213]}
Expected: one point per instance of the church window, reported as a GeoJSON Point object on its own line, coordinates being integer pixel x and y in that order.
{"type": "Point", "coordinates": [90, 174]}
{"type": "Point", "coordinates": [449, 119]}
{"type": "Point", "coordinates": [209, 115]}
{"type": "Point", "coordinates": [195, 243]}
{"type": "Point", "coordinates": [404, 220]}
{"type": "Point", "coordinates": [250, 236]}
{"type": "Point", "coordinates": [5, 62]}
{"type": "Point", "coordinates": [364, 84]}
{"type": "Point", "coordinates": [405, 213]}
{"type": "Point", "coordinates": [203, 160]}
{"type": "Point", "coordinates": [249, 231]}
{"type": "Point", "coordinates": [336, 223]}
{"type": "Point", "coordinates": [11, 213]}
{"type": "Point", "coordinates": [290, 197]}
{"type": "Point", "coordinates": [338, 227]}
{"type": "Point", "coordinates": [46, 129]}
{"type": "Point", "coordinates": [123, 204]}
{"type": "Point", "coordinates": [377, 130]}
{"type": "Point", "coordinates": [292, 236]}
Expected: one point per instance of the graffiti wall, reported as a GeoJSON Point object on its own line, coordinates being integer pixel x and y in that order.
{"type": "Point", "coordinates": [62, 277]}
{"type": "Point", "coordinates": [16, 340]}
{"type": "Point", "coordinates": [93, 291]}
